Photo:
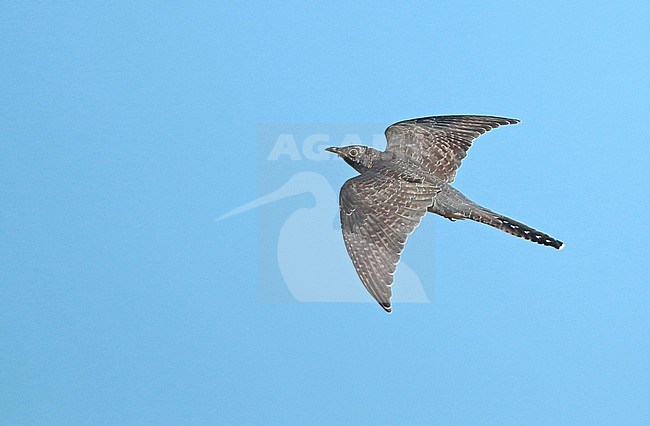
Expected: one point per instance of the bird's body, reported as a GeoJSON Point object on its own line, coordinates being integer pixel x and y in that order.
{"type": "Point", "coordinates": [398, 186]}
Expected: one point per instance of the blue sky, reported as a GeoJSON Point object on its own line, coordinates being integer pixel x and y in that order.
{"type": "Point", "coordinates": [126, 129]}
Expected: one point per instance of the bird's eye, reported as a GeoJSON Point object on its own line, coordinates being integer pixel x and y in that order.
{"type": "Point", "coordinates": [353, 152]}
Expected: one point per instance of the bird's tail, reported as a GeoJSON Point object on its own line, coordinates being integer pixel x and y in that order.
{"type": "Point", "coordinates": [515, 228]}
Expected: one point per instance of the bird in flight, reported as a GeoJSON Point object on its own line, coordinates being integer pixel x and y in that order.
{"type": "Point", "coordinates": [396, 187]}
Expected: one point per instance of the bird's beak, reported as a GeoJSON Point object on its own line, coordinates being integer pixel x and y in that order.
{"type": "Point", "coordinates": [333, 149]}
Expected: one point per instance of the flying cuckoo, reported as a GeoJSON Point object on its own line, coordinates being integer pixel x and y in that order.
{"type": "Point", "coordinates": [398, 186]}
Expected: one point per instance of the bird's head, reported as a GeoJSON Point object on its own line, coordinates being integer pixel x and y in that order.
{"type": "Point", "coordinates": [358, 156]}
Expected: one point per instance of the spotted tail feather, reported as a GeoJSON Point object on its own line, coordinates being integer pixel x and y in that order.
{"type": "Point", "coordinates": [515, 228]}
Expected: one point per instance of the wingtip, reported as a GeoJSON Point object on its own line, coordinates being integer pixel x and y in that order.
{"type": "Point", "coordinates": [387, 308]}
{"type": "Point", "coordinates": [562, 245]}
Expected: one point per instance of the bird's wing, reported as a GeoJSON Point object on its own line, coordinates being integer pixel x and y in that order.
{"type": "Point", "coordinates": [377, 215]}
{"type": "Point", "coordinates": [439, 144]}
